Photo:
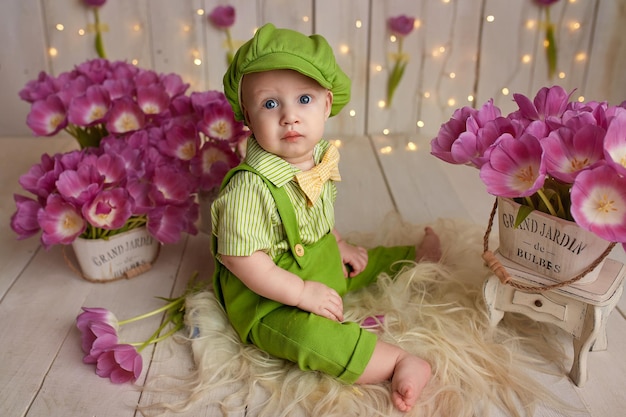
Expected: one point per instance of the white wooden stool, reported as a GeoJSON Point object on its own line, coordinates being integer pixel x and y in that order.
{"type": "Point", "coordinates": [582, 310]}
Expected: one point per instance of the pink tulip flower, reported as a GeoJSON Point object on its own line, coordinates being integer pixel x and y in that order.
{"type": "Point", "coordinates": [449, 132]}
{"type": "Point", "coordinates": [90, 108]}
{"type": "Point", "coordinates": [515, 167]}
{"type": "Point", "coordinates": [222, 17]}
{"type": "Point", "coordinates": [153, 99]}
{"type": "Point", "coordinates": [181, 141]}
{"type": "Point", "coordinates": [96, 338]}
{"type": "Point", "coordinates": [213, 162]}
{"type": "Point", "coordinates": [60, 221]}
{"type": "Point", "coordinates": [218, 123]}
{"type": "Point", "coordinates": [401, 25]}
{"type": "Point", "coordinates": [125, 116]}
{"type": "Point", "coordinates": [615, 141]}
{"type": "Point", "coordinates": [120, 363]}
{"type": "Point", "coordinates": [548, 106]}
{"type": "Point", "coordinates": [94, 3]}
{"type": "Point", "coordinates": [81, 186]}
{"type": "Point", "coordinates": [109, 210]}
{"type": "Point", "coordinates": [568, 152]}
{"type": "Point", "coordinates": [167, 222]}
{"type": "Point", "coordinates": [599, 202]}
{"type": "Point", "coordinates": [95, 314]}
{"type": "Point", "coordinates": [24, 220]}
{"type": "Point", "coordinates": [47, 117]}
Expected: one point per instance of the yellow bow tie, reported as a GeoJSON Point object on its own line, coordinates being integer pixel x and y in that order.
{"type": "Point", "coordinates": [313, 180]}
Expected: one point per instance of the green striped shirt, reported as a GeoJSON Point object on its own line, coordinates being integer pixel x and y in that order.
{"type": "Point", "coordinates": [245, 218]}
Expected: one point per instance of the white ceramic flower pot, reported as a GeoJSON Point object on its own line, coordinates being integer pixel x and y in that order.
{"type": "Point", "coordinates": [547, 245]}
{"type": "Point", "coordinates": [121, 256]}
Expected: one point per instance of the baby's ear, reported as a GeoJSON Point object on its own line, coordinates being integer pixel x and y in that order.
{"type": "Point", "coordinates": [329, 103]}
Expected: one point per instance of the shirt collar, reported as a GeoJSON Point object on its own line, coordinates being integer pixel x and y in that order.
{"type": "Point", "coordinates": [278, 171]}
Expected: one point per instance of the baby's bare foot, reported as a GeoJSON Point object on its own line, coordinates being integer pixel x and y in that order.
{"type": "Point", "coordinates": [409, 378]}
{"type": "Point", "coordinates": [430, 247]}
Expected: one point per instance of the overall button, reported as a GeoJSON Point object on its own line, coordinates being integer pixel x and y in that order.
{"type": "Point", "coordinates": [299, 249]}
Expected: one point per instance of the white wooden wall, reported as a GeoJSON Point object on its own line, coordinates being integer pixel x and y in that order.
{"type": "Point", "coordinates": [457, 51]}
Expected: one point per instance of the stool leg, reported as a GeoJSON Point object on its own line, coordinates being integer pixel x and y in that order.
{"type": "Point", "coordinates": [582, 345]}
{"type": "Point", "coordinates": [490, 293]}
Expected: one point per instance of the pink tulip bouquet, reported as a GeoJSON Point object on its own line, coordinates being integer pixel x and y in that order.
{"type": "Point", "coordinates": [147, 149]}
{"type": "Point", "coordinates": [564, 158]}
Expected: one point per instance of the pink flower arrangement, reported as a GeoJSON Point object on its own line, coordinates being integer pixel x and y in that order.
{"type": "Point", "coordinates": [122, 362]}
{"type": "Point", "coordinates": [560, 157]}
{"type": "Point", "coordinates": [147, 149]}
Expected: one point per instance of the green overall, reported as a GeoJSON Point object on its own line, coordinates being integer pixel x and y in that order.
{"type": "Point", "coordinates": [313, 342]}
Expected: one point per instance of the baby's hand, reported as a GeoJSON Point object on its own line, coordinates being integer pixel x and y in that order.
{"type": "Point", "coordinates": [354, 256]}
{"type": "Point", "coordinates": [322, 300]}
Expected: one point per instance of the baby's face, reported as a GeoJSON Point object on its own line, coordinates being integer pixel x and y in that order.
{"type": "Point", "coordinates": [286, 112]}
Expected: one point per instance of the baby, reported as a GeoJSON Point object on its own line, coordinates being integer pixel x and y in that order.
{"type": "Point", "coordinates": [282, 268]}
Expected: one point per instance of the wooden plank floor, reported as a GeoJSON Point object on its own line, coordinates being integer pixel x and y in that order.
{"type": "Point", "coordinates": [41, 372]}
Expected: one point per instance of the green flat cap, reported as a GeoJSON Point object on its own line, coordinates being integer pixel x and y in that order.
{"type": "Point", "coordinates": [272, 49]}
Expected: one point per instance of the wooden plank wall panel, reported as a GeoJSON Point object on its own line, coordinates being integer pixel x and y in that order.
{"type": "Point", "coordinates": [347, 30]}
{"type": "Point", "coordinates": [485, 56]}
{"type": "Point", "coordinates": [607, 55]}
{"type": "Point", "coordinates": [177, 35]}
{"type": "Point", "coordinates": [22, 56]}
{"type": "Point", "coordinates": [448, 60]}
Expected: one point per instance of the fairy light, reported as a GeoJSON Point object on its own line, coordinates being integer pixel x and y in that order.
{"type": "Point", "coordinates": [452, 75]}
{"type": "Point", "coordinates": [52, 51]}
{"type": "Point", "coordinates": [417, 24]}
{"type": "Point", "coordinates": [561, 75]}
{"type": "Point", "coordinates": [387, 149]}
{"type": "Point", "coordinates": [451, 102]}
{"type": "Point", "coordinates": [526, 59]}
{"type": "Point", "coordinates": [420, 123]}
{"type": "Point", "coordinates": [490, 18]}
{"type": "Point", "coordinates": [386, 132]}
{"type": "Point", "coordinates": [530, 24]}
{"type": "Point", "coordinates": [378, 68]}
{"type": "Point", "coordinates": [197, 61]}
{"type": "Point", "coordinates": [134, 61]}
{"type": "Point", "coordinates": [352, 112]}
{"type": "Point", "coordinates": [358, 24]}
{"type": "Point", "coordinates": [337, 143]}
{"type": "Point", "coordinates": [305, 19]}
{"type": "Point", "coordinates": [470, 98]}
{"type": "Point", "coordinates": [411, 147]}
{"type": "Point", "coordinates": [393, 38]}
{"type": "Point", "coordinates": [59, 27]}
{"type": "Point", "coordinates": [344, 49]}
{"type": "Point", "coordinates": [505, 91]}
{"type": "Point", "coordinates": [574, 26]}
{"type": "Point", "coordinates": [81, 32]}
{"type": "Point", "coordinates": [581, 99]}
{"type": "Point", "coordinates": [426, 94]}
{"type": "Point", "coordinates": [136, 27]}
{"type": "Point", "coordinates": [200, 12]}
{"type": "Point", "coordinates": [581, 56]}
{"type": "Point", "coordinates": [381, 104]}
{"type": "Point", "coordinates": [186, 28]}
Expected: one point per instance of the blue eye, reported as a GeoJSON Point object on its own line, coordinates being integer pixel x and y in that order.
{"type": "Point", "coordinates": [270, 104]}
{"type": "Point", "coordinates": [305, 99]}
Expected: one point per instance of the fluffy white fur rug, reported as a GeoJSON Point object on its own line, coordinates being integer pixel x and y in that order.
{"type": "Point", "coordinates": [433, 310]}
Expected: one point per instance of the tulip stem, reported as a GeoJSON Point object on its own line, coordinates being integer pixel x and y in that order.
{"type": "Point", "coordinates": [174, 303]}
{"type": "Point", "coordinates": [546, 201]}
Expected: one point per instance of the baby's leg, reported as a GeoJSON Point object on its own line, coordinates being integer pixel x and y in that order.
{"type": "Point", "coordinates": [429, 248]}
{"type": "Point", "coordinates": [408, 373]}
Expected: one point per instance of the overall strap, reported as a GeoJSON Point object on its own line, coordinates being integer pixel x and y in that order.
{"type": "Point", "coordinates": [285, 211]}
